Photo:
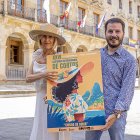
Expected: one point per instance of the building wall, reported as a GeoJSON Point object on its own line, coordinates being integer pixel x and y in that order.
{"type": "Point", "coordinates": [18, 25]}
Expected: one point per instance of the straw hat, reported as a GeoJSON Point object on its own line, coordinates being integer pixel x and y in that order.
{"type": "Point", "coordinates": [47, 29]}
{"type": "Point", "coordinates": [68, 74]}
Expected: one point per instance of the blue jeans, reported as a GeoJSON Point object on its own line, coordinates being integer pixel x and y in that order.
{"type": "Point", "coordinates": [116, 131]}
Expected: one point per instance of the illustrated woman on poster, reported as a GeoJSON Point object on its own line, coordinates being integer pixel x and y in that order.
{"type": "Point", "coordinates": [66, 92]}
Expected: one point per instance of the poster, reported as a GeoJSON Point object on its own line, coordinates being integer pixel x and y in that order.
{"type": "Point", "coordinates": [75, 100]}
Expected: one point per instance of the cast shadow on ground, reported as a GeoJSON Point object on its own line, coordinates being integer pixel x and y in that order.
{"type": "Point", "coordinates": [20, 129]}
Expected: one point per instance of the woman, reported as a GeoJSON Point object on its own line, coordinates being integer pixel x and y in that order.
{"type": "Point", "coordinates": [48, 39]}
{"type": "Point", "coordinates": [66, 93]}
{"type": "Point", "coordinates": [74, 106]}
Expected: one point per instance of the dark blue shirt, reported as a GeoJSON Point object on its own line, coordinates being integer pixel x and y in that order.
{"type": "Point", "coordinates": [118, 73]}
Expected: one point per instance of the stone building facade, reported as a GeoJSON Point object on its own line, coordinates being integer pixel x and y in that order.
{"type": "Point", "coordinates": [18, 17]}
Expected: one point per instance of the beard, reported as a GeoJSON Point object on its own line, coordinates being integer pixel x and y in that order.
{"type": "Point", "coordinates": [116, 45]}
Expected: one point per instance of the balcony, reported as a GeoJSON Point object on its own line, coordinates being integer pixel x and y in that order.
{"type": "Point", "coordinates": [20, 11]}
{"type": "Point", "coordinates": [39, 15]}
{"type": "Point", "coordinates": [15, 73]}
{"type": "Point", "coordinates": [68, 24]}
{"type": "Point", "coordinates": [88, 30]}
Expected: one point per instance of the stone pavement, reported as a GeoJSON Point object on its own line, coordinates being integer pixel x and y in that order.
{"type": "Point", "coordinates": [17, 90]}
{"type": "Point", "coordinates": [16, 118]}
{"type": "Point", "coordinates": [29, 87]}
{"type": "Point", "coordinates": [20, 129]}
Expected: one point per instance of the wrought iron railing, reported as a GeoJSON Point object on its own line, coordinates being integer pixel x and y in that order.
{"type": "Point", "coordinates": [30, 13]}
{"type": "Point", "coordinates": [88, 30]}
{"type": "Point", "coordinates": [20, 11]}
{"type": "Point", "coordinates": [100, 33]}
{"type": "Point", "coordinates": [15, 73]}
{"type": "Point", "coordinates": [41, 16]}
{"type": "Point", "coordinates": [72, 25]}
{"type": "Point", "coordinates": [55, 20]}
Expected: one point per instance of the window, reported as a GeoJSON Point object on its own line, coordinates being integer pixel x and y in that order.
{"type": "Point", "coordinates": [80, 50]}
{"type": "Point", "coordinates": [95, 22]}
{"type": "Point", "coordinates": [16, 5]}
{"type": "Point", "coordinates": [63, 7]}
{"type": "Point", "coordinates": [40, 4]}
{"type": "Point", "coordinates": [109, 1]}
{"type": "Point", "coordinates": [120, 4]}
{"type": "Point", "coordinates": [62, 49]}
{"type": "Point", "coordinates": [130, 32]}
{"type": "Point", "coordinates": [41, 14]}
{"type": "Point", "coordinates": [15, 50]}
{"type": "Point", "coordinates": [81, 13]}
{"type": "Point", "coordinates": [14, 54]}
{"type": "Point", "coordinates": [96, 19]}
{"type": "Point", "coordinates": [138, 11]}
{"type": "Point", "coordinates": [20, 3]}
{"type": "Point", "coordinates": [130, 7]}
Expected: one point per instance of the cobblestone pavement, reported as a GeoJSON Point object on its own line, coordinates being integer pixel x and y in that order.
{"type": "Point", "coordinates": [16, 118]}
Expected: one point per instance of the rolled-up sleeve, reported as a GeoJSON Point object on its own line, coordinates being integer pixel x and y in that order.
{"type": "Point", "coordinates": [128, 85]}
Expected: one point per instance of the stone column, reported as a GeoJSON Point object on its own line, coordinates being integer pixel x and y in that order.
{"type": "Point", "coordinates": [36, 7]}
{"type": "Point", "coordinates": [74, 10]}
{"type": "Point", "coordinates": [28, 57]}
{"type": "Point", "coordinates": [5, 7]}
{"type": "Point", "coordinates": [3, 62]}
{"type": "Point", "coordinates": [35, 14]}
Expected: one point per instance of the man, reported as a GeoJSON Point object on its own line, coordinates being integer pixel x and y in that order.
{"type": "Point", "coordinates": [118, 72]}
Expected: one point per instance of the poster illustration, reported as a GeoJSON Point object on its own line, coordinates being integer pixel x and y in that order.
{"type": "Point", "coordinates": [75, 100]}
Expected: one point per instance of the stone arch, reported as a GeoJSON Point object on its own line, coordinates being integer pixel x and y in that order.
{"type": "Point", "coordinates": [16, 42]}
{"type": "Point", "coordinates": [81, 48]}
{"type": "Point", "coordinates": [18, 48]}
{"type": "Point", "coordinates": [66, 48]}
{"type": "Point", "coordinates": [23, 36]}
{"type": "Point", "coordinates": [21, 33]}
